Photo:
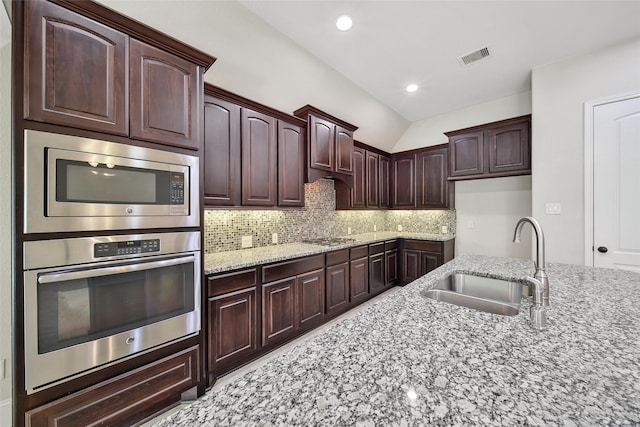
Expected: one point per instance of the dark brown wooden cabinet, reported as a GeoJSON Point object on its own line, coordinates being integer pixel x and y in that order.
{"type": "Point", "coordinates": [337, 287]}
{"type": "Point", "coordinates": [291, 153]}
{"type": "Point", "coordinates": [330, 145]}
{"type": "Point", "coordinates": [403, 175]}
{"type": "Point", "coordinates": [384, 168]}
{"type": "Point", "coordinates": [222, 175]}
{"type": "Point", "coordinates": [253, 155]}
{"type": "Point", "coordinates": [85, 74]}
{"type": "Point", "coordinates": [359, 274]}
{"type": "Point", "coordinates": [359, 190]}
{"type": "Point", "coordinates": [495, 149]}
{"type": "Point", "coordinates": [259, 158]}
{"type": "Point", "coordinates": [311, 295]}
{"type": "Point", "coordinates": [391, 262]}
{"type": "Point", "coordinates": [377, 278]}
{"type": "Point", "coordinates": [373, 179]}
{"type": "Point", "coordinates": [421, 256]}
{"type": "Point", "coordinates": [433, 190]}
{"type": "Point", "coordinates": [76, 70]}
{"type": "Point", "coordinates": [278, 310]}
{"type": "Point", "coordinates": [165, 97]}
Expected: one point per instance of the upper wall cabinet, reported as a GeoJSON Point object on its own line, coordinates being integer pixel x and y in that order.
{"type": "Point", "coordinates": [330, 145]}
{"type": "Point", "coordinates": [253, 155]}
{"type": "Point", "coordinates": [419, 179]}
{"type": "Point", "coordinates": [109, 74]}
{"type": "Point", "coordinates": [496, 149]}
{"type": "Point", "coordinates": [370, 188]}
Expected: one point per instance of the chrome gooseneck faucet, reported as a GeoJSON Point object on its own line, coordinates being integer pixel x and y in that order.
{"type": "Point", "coordinates": [540, 274]}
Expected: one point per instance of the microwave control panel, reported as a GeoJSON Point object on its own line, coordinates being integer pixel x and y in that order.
{"type": "Point", "coordinates": [127, 247]}
{"type": "Point", "coordinates": [177, 188]}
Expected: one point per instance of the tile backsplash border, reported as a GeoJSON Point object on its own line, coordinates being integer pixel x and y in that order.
{"type": "Point", "coordinates": [224, 228]}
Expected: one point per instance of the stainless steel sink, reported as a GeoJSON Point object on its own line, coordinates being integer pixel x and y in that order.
{"type": "Point", "coordinates": [480, 293]}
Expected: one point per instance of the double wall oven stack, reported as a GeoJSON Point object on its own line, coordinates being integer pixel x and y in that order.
{"type": "Point", "coordinates": [133, 284]}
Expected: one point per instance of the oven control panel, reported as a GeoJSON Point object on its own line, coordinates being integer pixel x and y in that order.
{"type": "Point", "coordinates": [127, 247]}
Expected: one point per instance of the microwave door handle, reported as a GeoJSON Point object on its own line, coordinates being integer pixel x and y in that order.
{"type": "Point", "coordinates": [84, 274]}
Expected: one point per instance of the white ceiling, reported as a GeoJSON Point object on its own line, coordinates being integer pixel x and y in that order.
{"type": "Point", "coordinates": [393, 43]}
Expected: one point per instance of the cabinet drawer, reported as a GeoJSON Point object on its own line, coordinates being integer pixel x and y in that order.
{"type": "Point", "coordinates": [376, 248]}
{"type": "Point", "coordinates": [229, 282]}
{"type": "Point", "coordinates": [359, 252]}
{"type": "Point", "coordinates": [291, 268]}
{"type": "Point", "coordinates": [390, 244]}
{"type": "Point", "coordinates": [423, 245]}
{"type": "Point", "coordinates": [337, 257]}
{"type": "Point", "coordinates": [125, 399]}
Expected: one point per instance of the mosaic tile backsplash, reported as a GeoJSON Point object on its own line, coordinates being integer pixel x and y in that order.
{"type": "Point", "coordinates": [224, 229]}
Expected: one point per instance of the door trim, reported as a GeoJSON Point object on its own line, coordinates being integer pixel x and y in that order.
{"type": "Point", "coordinates": [589, 108]}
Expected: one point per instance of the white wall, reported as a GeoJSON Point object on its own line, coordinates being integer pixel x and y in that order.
{"type": "Point", "coordinates": [559, 92]}
{"type": "Point", "coordinates": [260, 63]}
{"type": "Point", "coordinates": [494, 205]}
{"type": "Point", "coordinates": [6, 245]}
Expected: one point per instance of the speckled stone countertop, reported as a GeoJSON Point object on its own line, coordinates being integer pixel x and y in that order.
{"type": "Point", "coordinates": [408, 360]}
{"type": "Point", "coordinates": [243, 258]}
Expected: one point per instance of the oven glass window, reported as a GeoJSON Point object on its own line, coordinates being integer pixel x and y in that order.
{"type": "Point", "coordinates": [82, 310]}
{"type": "Point", "coordinates": [100, 183]}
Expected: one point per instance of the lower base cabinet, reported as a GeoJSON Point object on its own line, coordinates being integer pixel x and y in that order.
{"type": "Point", "coordinates": [420, 257]}
{"type": "Point", "coordinates": [125, 399]}
{"type": "Point", "coordinates": [337, 287]}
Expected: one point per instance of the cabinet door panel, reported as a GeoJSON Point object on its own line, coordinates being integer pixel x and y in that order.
{"type": "Point", "coordinates": [358, 193]}
{"type": "Point", "coordinates": [509, 148]}
{"type": "Point", "coordinates": [165, 97]}
{"type": "Point", "coordinates": [377, 278]}
{"type": "Point", "coordinates": [290, 165]}
{"type": "Point", "coordinates": [391, 267]}
{"type": "Point", "coordinates": [359, 279]}
{"type": "Point", "coordinates": [322, 133]}
{"type": "Point", "coordinates": [466, 154]}
{"type": "Point", "coordinates": [383, 191]}
{"type": "Point", "coordinates": [232, 327]}
{"type": "Point", "coordinates": [430, 261]}
{"type": "Point", "coordinates": [404, 186]}
{"type": "Point", "coordinates": [221, 153]}
{"type": "Point", "coordinates": [432, 187]}
{"type": "Point", "coordinates": [258, 159]}
{"type": "Point", "coordinates": [344, 151]}
{"type": "Point", "coordinates": [76, 71]}
{"type": "Point", "coordinates": [310, 293]}
{"type": "Point", "coordinates": [278, 316]}
{"type": "Point", "coordinates": [372, 180]}
{"type": "Point", "coordinates": [411, 265]}
{"type": "Point", "coordinates": [337, 287]}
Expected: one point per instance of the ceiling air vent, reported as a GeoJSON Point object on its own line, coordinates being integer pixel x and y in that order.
{"type": "Point", "coordinates": [474, 56]}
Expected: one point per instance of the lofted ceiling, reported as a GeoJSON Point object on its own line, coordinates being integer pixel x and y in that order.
{"type": "Point", "coordinates": [394, 43]}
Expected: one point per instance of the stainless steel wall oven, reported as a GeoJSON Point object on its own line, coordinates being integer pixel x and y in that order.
{"type": "Point", "coordinates": [92, 301]}
{"type": "Point", "coordinates": [83, 184]}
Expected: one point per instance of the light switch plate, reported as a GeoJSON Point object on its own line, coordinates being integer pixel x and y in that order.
{"type": "Point", "coordinates": [247, 242]}
{"type": "Point", "coordinates": [553, 209]}
{"type": "Point", "coordinates": [471, 224]}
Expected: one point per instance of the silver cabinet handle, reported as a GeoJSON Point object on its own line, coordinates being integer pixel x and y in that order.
{"type": "Point", "coordinates": [106, 271]}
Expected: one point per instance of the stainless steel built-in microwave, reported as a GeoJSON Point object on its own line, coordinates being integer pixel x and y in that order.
{"type": "Point", "coordinates": [83, 184]}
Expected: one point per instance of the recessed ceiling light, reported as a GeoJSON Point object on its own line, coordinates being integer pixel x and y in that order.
{"type": "Point", "coordinates": [412, 87]}
{"type": "Point", "coordinates": [344, 23]}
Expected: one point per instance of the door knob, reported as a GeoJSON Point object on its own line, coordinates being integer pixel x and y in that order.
{"type": "Point", "coordinates": [603, 250]}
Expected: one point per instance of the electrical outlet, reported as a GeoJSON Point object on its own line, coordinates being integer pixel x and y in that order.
{"type": "Point", "coordinates": [349, 230]}
{"type": "Point", "coordinates": [553, 209]}
{"type": "Point", "coordinates": [445, 229]}
{"type": "Point", "coordinates": [375, 227]}
{"type": "Point", "coordinates": [247, 242]}
{"type": "Point", "coordinates": [274, 238]}
{"type": "Point", "coordinates": [399, 227]}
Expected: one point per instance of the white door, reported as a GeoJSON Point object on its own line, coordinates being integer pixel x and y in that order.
{"type": "Point", "coordinates": [616, 185]}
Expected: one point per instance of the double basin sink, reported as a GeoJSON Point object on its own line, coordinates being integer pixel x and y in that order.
{"type": "Point", "coordinates": [479, 293]}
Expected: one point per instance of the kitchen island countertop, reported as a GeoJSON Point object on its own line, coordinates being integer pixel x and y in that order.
{"type": "Point", "coordinates": [409, 360]}
{"type": "Point", "coordinates": [243, 258]}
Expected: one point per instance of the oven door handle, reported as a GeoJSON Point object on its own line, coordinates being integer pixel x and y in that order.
{"type": "Point", "coordinates": [126, 268]}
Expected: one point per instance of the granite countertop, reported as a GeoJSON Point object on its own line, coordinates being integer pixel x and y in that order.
{"type": "Point", "coordinates": [408, 360]}
{"type": "Point", "coordinates": [243, 258]}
